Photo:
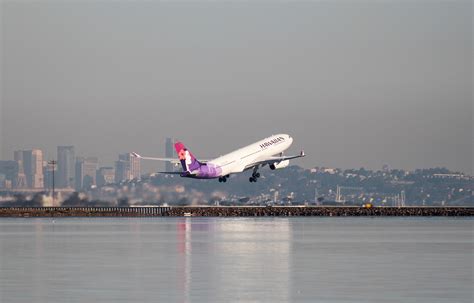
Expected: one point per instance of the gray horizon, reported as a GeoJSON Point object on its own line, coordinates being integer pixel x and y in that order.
{"type": "Point", "coordinates": [356, 83]}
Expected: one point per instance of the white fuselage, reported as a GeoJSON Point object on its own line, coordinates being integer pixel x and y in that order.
{"type": "Point", "coordinates": [243, 158]}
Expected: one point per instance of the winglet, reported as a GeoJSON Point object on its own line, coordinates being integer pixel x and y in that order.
{"type": "Point", "coordinates": [302, 154]}
{"type": "Point", "coordinates": [136, 155]}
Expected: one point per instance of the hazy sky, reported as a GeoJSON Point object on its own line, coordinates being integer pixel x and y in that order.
{"type": "Point", "coordinates": [356, 83]}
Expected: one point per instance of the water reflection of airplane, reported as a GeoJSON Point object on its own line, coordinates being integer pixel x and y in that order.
{"type": "Point", "coordinates": [227, 252]}
{"type": "Point", "coordinates": [184, 257]}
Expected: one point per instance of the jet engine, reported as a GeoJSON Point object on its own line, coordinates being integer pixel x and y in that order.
{"type": "Point", "coordinates": [278, 165]}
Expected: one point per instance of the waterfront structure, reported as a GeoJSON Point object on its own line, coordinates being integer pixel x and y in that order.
{"type": "Point", "coordinates": [105, 175]}
{"type": "Point", "coordinates": [340, 198]}
{"type": "Point", "coordinates": [33, 168]}
{"type": "Point", "coordinates": [66, 167]}
{"type": "Point", "coordinates": [86, 171]}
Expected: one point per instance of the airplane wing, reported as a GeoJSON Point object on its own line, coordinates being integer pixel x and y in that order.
{"type": "Point", "coordinates": [283, 158]}
{"type": "Point", "coordinates": [275, 159]}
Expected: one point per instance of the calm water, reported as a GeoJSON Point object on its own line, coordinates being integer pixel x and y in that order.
{"type": "Point", "coordinates": [236, 260]}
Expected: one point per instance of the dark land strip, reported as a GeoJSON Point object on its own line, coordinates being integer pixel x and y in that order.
{"type": "Point", "coordinates": [234, 211]}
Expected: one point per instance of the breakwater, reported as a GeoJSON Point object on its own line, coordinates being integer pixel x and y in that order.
{"type": "Point", "coordinates": [232, 211]}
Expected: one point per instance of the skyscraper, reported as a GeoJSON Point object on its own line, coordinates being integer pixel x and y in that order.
{"type": "Point", "coordinates": [135, 169]}
{"type": "Point", "coordinates": [50, 171]}
{"type": "Point", "coordinates": [33, 166]}
{"type": "Point", "coordinates": [86, 172]}
{"type": "Point", "coordinates": [20, 181]}
{"type": "Point", "coordinates": [127, 168]}
{"type": "Point", "coordinates": [8, 172]}
{"type": "Point", "coordinates": [122, 171]}
{"type": "Point", "coordinates": [169, 153]}
{"type": "Point", "coordinates": [66, 166]}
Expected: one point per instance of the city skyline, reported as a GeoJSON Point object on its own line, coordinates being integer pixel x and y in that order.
{"type": "Point", "coordinates": [197, 73]}
{"type": "Point", "coordinates": [30, 169]}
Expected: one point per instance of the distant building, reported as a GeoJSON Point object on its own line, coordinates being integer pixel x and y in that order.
{"type": "Point", "coordinates": [48, 175]}
{"type": "Point", "coordinates": [86, 172]}
{"type": "Point", "coordinates": [169, 153]}
{"type": "Point", "coordinates": [66, 167]}
{"type": "Point", "coordinates": [8, 173]}
{"type": "Point", "coordinates": [324, 170]}
{"type": "Point", "coordinates": [105, 175]}
{"type": "Point", "coordinates": [18, 156]}
{"type": "Point", "coordinates": [4, 182]}
{"type": "Point", "coordinates": [127, 168]}
{"type": "Point", "coordinates": [20, 180]}
{"type": "Point", "coordinates": [451, 176]}
{"type": "Point", "coordinates": [135, 167]}
{"type": "Point", "coordinates": [122, 171]}
{"type": "Point", "coordinates": [33, 167]}
{"type": "Point", "coordinates": [329, 170]}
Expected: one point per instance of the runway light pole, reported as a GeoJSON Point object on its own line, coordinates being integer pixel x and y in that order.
{"type": "Point", "coordinates": [53, 164]}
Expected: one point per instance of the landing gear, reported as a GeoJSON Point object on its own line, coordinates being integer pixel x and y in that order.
{"type": "Point", "coordinates": [255, 175]}
{"type": "Point", "coordinates": [223, 179]}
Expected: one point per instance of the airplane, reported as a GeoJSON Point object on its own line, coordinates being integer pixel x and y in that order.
{"type": "Point", "coordinates": [268, 151]}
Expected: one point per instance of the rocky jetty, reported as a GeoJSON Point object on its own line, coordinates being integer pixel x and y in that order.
{"type": "Point", "coordinates": [234, 211]}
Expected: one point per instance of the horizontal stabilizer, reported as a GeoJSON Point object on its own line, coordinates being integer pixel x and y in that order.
{"type": "Point", "coordinates": [172, 160]}
{"type": "Point", "coordinates": [170, 172]}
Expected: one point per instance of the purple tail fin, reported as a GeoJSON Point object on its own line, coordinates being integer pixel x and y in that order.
{"type": "Point", "coordinates": [187, 159]}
